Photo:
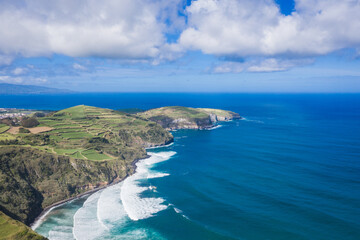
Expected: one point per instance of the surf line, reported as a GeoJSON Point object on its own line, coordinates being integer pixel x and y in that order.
{"type": "Point", "coordinates": [135, 206]}
{"type": "Point", "coordinates": [38, 220]}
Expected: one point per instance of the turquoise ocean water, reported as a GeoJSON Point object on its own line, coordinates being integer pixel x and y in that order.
{"type": "Point", "coordinates": [289, 170]}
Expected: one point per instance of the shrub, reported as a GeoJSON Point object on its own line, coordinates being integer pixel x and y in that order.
{"type": "Point", "coordinates": [8, 121]}
{"type": "Point", "coordinates": [23, 130]}
{"type": "Point", "coordinates": [29, 122]}
{"type": "Point", "coordinates": [39, 114]}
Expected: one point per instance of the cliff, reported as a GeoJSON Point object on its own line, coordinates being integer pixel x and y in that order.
{"type": "Point", "coordinates": [73, 151]}
{"type": "Point", "coordinates": [172, 118]}
{"type": "Point", "coordinates": [79, 149]}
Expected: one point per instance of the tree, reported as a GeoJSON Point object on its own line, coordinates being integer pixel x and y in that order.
{"type": "Point", "coordinates": [29, 122]}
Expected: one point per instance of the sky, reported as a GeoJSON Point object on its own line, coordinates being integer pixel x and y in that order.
{"type": "Point", "coordinates": [275, 46]}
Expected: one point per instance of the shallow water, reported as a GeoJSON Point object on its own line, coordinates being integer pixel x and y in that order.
{"type": "Point", "coordinates": [289, 170]}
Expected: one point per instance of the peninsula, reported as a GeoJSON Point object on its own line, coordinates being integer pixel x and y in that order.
{"type": "Point", "coordinates": [48, 158]}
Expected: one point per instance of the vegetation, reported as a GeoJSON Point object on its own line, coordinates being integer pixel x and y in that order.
{"type": "Point", "coordinates": [24, 130]}
{"type": "Point", "coordinates": [131, 110]}
{"type": "Point", "coordinates": [62, 154]}
{"type": "Point", "coordinates": [11, 229]}
{"type": "Point", "coordinates": [3, 128]}
{"type": "Point", "coordinates": [86, 147]}
{"type": "Point", "coordinates": [184, 117]}
{"type": "Point", "coordinates": [7, 121]}
{"type": "Point", "coordinates": [29, 122]}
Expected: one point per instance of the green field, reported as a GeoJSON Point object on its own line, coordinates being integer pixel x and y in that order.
{"type": "Point", "coordinates": [7, 136]}
{"type": "Point", "coordinates": [3, 128]}
{"type": "Point", "coordinates": [184, 117]}
{"type": "Point", "coordinates": [94, 155]}
{"type": "Point", "coordinates": [78, 130]}
{"type": "Point", "coordinates": [11, 229]}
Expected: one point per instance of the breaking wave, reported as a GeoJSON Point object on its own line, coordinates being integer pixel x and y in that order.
{"type": "Point", "coordinates": [138, 207]}
{"type": "Point", "coordinates": [113, 208]}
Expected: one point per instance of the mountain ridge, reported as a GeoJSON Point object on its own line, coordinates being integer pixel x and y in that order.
{"type": "Point", "coordinates": [15, 89]}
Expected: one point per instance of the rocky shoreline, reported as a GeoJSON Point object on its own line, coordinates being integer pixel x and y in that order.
{"type": "Point", "coordinates": [47, 209]}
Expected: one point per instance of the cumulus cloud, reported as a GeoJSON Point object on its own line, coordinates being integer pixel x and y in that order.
{"type": "Point", "coordinates": [156, 30]}
{"type": "Point", "coordinates": [132, 29]}
{"type": "Point", "coordinates": [261, 65]}
{"type": "Point", "coordinates": [257, 28]}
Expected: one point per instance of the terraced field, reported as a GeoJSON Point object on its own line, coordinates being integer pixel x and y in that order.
{"type": "Point", "coordinates": [71, 151]}
{"type": "Point", "coordinates": [84, 132]}
{"type": "Point", "coordinates": [97, 134]}
{"type": "Point", "coordinates": [3, 128]}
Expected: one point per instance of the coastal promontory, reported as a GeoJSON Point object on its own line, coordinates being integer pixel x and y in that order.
{"type": "Point", "coordinates": [64, 154]}
{"type": "Point", "coordinates": [177, 117]}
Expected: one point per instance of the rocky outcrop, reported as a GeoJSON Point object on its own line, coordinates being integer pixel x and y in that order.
{"type": "Point", "coordinates": [173, 118]}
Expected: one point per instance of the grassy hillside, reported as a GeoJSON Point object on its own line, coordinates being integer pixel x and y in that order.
{"type": "Point", "coordinates": [84, 132]}
{"type": "Point", "coordinates": [3, 128]}
{"type": "Point", "coordinates": [71, 151]}
{"type": "Point", "coordinates": [187, 118]}
{"type": "Point", "coordinates": [81, 148]}
{"type": "Point", "coordinates": [11, 229]}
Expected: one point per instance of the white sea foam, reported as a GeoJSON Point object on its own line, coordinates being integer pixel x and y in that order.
{"type": "Point", "coordinates": [116, 205]}
{"type": "Point", "coordinates": [180, 212]}
{"type": "Point", "coordinates": [43, 218]}
{"type": "Point", "coordinates": [86, 222]}
{"type": "Point", "coordinates": [177, 210]}
{"type": "Point", "coordinates": [61, 233]}
{"type": "Point", "coordinates": [110, 211]}
{"type": "Point", "coordinates": [161, 146]}
{"type": "Point", "coordinates": [214, 127]}
{"type": "Point", "coordinates": [138, 207]}
{"type": "Point", "coordinates": [157, 175]}
{"type": "Point", "coordinates": [251, 120]}
{"type": "Point", "coordinates": [38, 222]}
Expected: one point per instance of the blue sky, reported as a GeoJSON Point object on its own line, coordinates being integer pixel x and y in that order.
{"type": "Point", "coordinates": [182, 46]}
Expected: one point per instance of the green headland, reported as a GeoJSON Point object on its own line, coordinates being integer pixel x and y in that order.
{"type": "Point", "coordinates": [52, 157]}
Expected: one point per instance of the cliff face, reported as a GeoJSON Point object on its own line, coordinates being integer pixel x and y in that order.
{"type": "Point", "coordinates": [32, 179]}
{"type": "Point", "coordinates": [173, 118]}
{"type": "Point", "coordinates": [84, 148]}
{"type": "Point", "coordinates": [87, 148]}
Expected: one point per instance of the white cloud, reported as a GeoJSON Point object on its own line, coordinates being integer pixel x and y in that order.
{"type": "Point", "coordinates": [128, 29]}
{"type": "Point", "coordinates": [5, 59]}
{"type": "Point", "coordinates": [277, 65]}
{"type": "Point", "coordinates": [79, 67]}
{"type": "Point", "coordinates": [19, 71]}
{"type": "Point", "coordinates": [227, 67]}
{"type": "Point", "coordinates": [261, 65]}
{"type": "Point", "coordinates": [136, 30]}
{"type": "Point", "coordinates": [257, 28]}
{"type": "Point", "coordinates": [9, 79]}
{"type": "Point", "coordinates": [21, 80]}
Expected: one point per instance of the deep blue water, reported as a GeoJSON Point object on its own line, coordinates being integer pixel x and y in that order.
{"type": "Point", "coordinates": [290, 170]}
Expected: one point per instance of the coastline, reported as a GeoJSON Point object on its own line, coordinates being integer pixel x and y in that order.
{"type": "Point", "coordinates": [47, 209]}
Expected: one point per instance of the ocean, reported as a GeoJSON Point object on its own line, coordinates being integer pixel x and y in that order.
{"type": "Point", "coordinates": [289, 170]}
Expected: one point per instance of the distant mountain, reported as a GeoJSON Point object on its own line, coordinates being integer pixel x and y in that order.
{"type": "Point", "coordinates": [9, 89]}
